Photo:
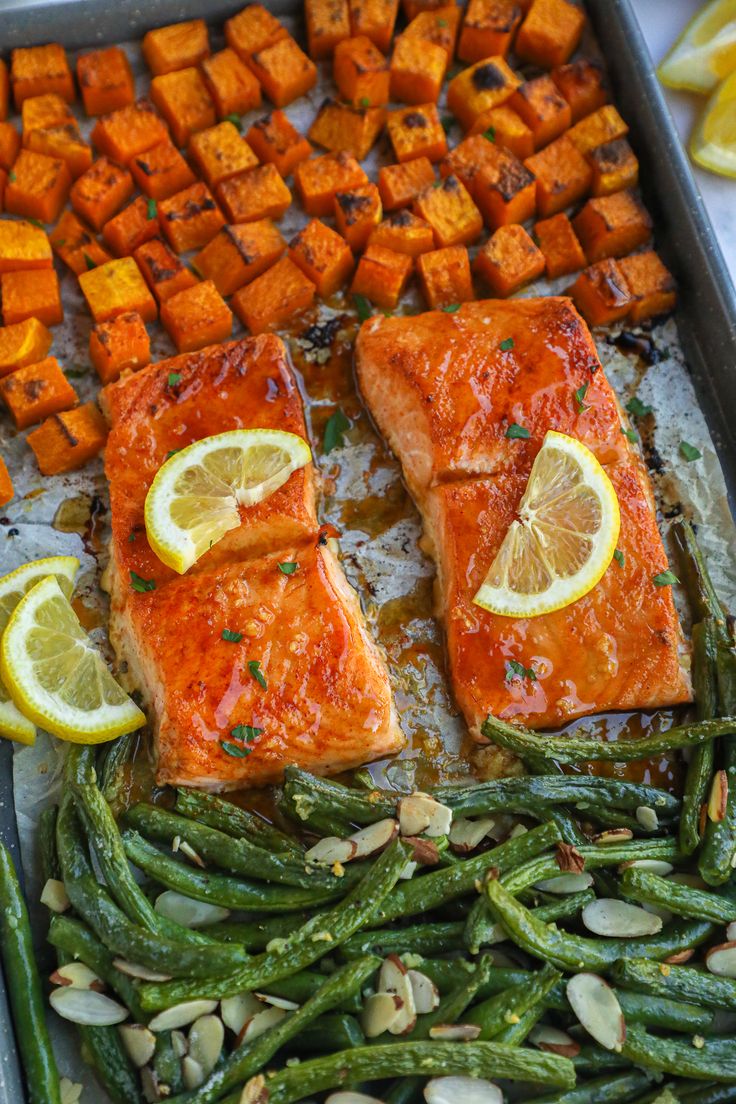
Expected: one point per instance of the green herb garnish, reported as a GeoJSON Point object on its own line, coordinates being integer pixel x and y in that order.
{"type": "Point", "coordinates": [172, 452]}
{"type": "Point", "coordinates": [152, 209]}
{"type": "Point", "coordinates": [514, 669]}
{"type": "Point", "coordinates": [35, 222]}
{"type": "Point", "coordinates": [245, 732]}
{"type": "Point", "coordinates": [516, 432]}
{"type": "Point", "coordinates": [12, 177]}
{"type": "Point", "coordinates": [236, 750]}
{"type": "Point", "coordinates": [506, 344]}
{"type": "Point", "coordinates": [665, 578]}
{"type": "Point", "coordinates": [689, 452]}
{"type": "Point", "coordinates": [174, 379]}
{"type": "Point", "coordinates": [619, 557]}
{"type": "Point", "coordinates": [231, 636]}
{"type": "Point", "coordinates": [580, 398]}
{"type": "Point", "coordinates": [88, 261]}
{"type": "Point", "coordinates": [636, 407]}
{"type": "Point", "coordinates": [140, 584]}
{"type": "Point", "coordinates": [451, 308]}
{"type": "Point", "coordinates": [288, 567]}
{"type": "Point", "coordinates": [630, 435]}
{"type": "Point", "coordinates": [254, 666]}
{"type": "Point", "coordinates": [234, 119]}
{"type": "Point", "coordinates": [490, 134]}
{"type": "Point", "coordinates": [363, 307]}
{"type": "Point", "coordinates": [337, 425]}
{"type": "Point", "coordinates": [364, 101]}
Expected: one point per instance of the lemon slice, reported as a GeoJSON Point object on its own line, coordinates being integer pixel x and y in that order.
{"type": "Point", "coordinates": [195, 498]}
{"type": "Point", "coordinates": [56, 676]}
{"type": "Point", "coordinates": [564, 538]}
{"type": "Point", "coordinates": [12, 588]}
{"type": "Point", "coordinates": [713, 144]}
{"type": "Point", "coordinates": [705, 52]}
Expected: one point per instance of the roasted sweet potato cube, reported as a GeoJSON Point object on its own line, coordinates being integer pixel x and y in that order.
{"type": "Point", "coordinates": [37, 186]}
{"type": "Point", "coordinates": [488, 83]}
{"type": "Point", "coordinates": [582, 84]}
{"type": "Point", "coordinates": [651, 285]}
{"type": "Point", "coordinates": [100, 192]}
{"type": "Point", "coordinates": [439, 26]}
{"type": "Point", "coordinates": [612, 226]}
{"type": "Point", "coordinates": [178, 46]}
{"type": "Point", "coordinates": [417, 132]}
{"type": "Point", "coordinates": [255, 194]}
{"type": "Point", "coordinates": [615, 167]}
{"type": "Point", "coordinates": [339, 126]}
{"type": "Point", "coordinates": [468, 158]}
{"type": "Point", "coordinates": [399, 185]}
{"type": "Point", "coordinates": [603, 125]}
{"type": "Point", "coordinates": [361, 72]}
{"type": "Point", "coordinates": [323, 256]}
{"type": "Point", "coordinates": [382, 276]}
{"type": "Point", "coordinates": [4, 90]}
{"type": "Point", "coordinates": [161, 171]}
{"type": "Point", "coordinates": [117, 288]}
{"type": "Point", "coordinates": [183, 100]}
{"type": "Point", "coordinates": [601, 293]}
{"type": "Point", "coordinates": [544, 110]}
{"type": "Point", "coordinates": [38, 69]}
{"type": "Point", "coordinates": [375, 19]}
{"type": "Point", "coordinates": [563, 175]}
{"type": "Point", "coordinates": [191, 218]}
{"type": "Point", "coordinates": [404, 232]}
{"type": "Point", "coordinates": [506, 191]}
{"type": "Point", "coordinates": [23, 245]}
{"type": "Point", "coordinates": [9, 145]}
{"type": "Point", "coordinates": [220, 152]}
{"type": "Point", "coordinates": [197, 317]}
{"type": "Point", "coordinates": [23, 343]}
{"type": "Point", "coordinates": [328, 22]}
{"type": "Point", "coordinates": [119, 345]}
{"type": "Point", "coordinates": [445, 276]}
{"type": "Point", "coordinates": [450, 211]}
{"type": "Point", "coordinates": [105, 80]}
{"type": "Point", "coordinates": [284, 71]}
{"type": "Point", "coordinates": [130, 131]}
{"type": "Point", "coordinates": [135, 224]}
{"type": "Point", "coordinates": [64, 142]}
{"type": "Point", "coordinates": [488, 29]}
{"type": "Point", "coordinates": [253, 29]}
{"type": "Point", "coordinates": [272, 299]}
{"type": "Point", "coordinates": [67, 441]}
{"type": "Point", "coordinates": [357, 213]}
{"type": "Point", "coordinates": [506, 129]}
{"type": "Point", "coordinates": [508, 260]}
{"type": "Point", "coordinates": [319, 179]}
{"type": "Point", "coordinates": [230, 83]}
{"type": "Point", "coordinates": [37, 391]}
{"type": "Point", "coordinates": [417, 71]}
{"type": "Point", "coordinates": [39, 112]}
{"type": "Point", "coordinates": [275, 140]}
{"type": "Point", "coordinates": [76, 245]}
{"type": "Point", "coordinates": [240, 253]}
{"type": "Point", "coordinates": [562, 251]}
{"type": "Point", "coordinates": [550, 32]}
{"type": "Point", "coordinates": [162, 270]}
{"type": "Point", "coordinates": [6, 484]}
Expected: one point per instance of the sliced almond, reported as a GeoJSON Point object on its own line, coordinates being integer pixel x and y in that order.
{"type": "Point", "coordinates": [425, 992]}
{"type": "Point", "coordinates": [134, 969]}
{"type": "Point", "coordinates": [191, 854]}
{"type": "Point", "coordinates": [692, 880]}
{"type": "Point", "coordinates": [179, 1015]}
{"type": "Point", "coordinates": [647, 817]}
{"type": "Point", "coordinates": [612, 836]}
{"type": "Point", "coordinates": [206, 1037]}
{"type": "Point", "coordinates": [568, 858]}
{"type": "Point", "coordinates": [86, 1007]}
{"type": "Point", "coordinates": [465, 835]}
{"type": "Point", "coordinates": [379, 1012]}
{"type": "Point", "coordinates": [424, 851]}
{"type": "Point", "coordinates": [54, 896]}
{"type": "Point", "coordinates": [619, 919]}
{"type": "Point", "coordinates": [455, 1033]}
{"type": "Point", "coordinates": [462, 1090]}
{"type": "Point", "coordinates": [731, 931]}
{"type": "Point", "coordinates": [78, 976]}
{"type": "Point", "coordinates": [554, 1040]}
{"type": "Point", "coordinates": [277, 1002]}
{"type": "Point", "coordinates": [254, 1091]}
{"type": "Point", "coordinates": [192, 1072]}
{"type": "Point", "coordinates": [330, 850]}
{"type": "Point", "coordinates": [374, 838]}
{"type": "Point", "coordinates": [420, 814]}
{"type": "Point", "coordinates": [261, 1022]}
{"type": "Point", "coordinates": [139, 1042]}
{"type": "Point", "coordinates": [721, 960]}
{"type": "Point", "coordinates": [650, 866]}
{"type": "Point", "coordinates": [393, 978]}
{"type": "Point", "coordinates": [236, 1011]}
{"type": "Point", "coordinates": [718, 800]}
{"type": "Point", "coordinates": [565, 883]}
{"type": "Point", "coordinates": [596, 1006]}
{"type": "Point", "coordinates": [351, 1098]}
{"type": "Point", "coordinates": [69, 1091]}
{"type": "Point", "coordinates": [656, 910]}
{"type": "Point", "coordinates": [409, 871]}
{"type": "Point", "coordinates": [150, 1085]}
{"type": "Point", "coordinates": [681, 957]}
{"type": "Point", "coordinates": [188, 912]}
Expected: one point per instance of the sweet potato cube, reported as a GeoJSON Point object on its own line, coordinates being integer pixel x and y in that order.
{"type": "Point", "coordinates": [220, 152]}
{"type": "Point", "coordinates": [240, 253]}
{"type": "Point", "coordinates": [445, 276]}
{"type": "Point", "coordinates": [183, 100]}
{"type": "Point", "coordinates": [562, 251]}
{"type": "Point", "coordinates": [9, 145]}
{"type": "Point", "coordinates": [255, 194]}
{"type": "Point", "coordinates": [488, 83]}
{"type": "Point", "coordinates": [119, 345]}
{"type": "Point", "coordinates": [450, 211]}
{"type": "Point", "coordinates": [38, 69]}
{"type": "Point", "coordinates": [361, 72]}
{"type": "Point", "coordinates": [23, 245]}
{"type": "Point", "coordinates": [284, 71]}
{"type": "Point", "coordinates": [382, 276]}
{"type": "Point", "coordinates": [6, 484]}
{"type": "Point", "coordinates": [508, 260]}
{"type": "Point", "coordinates": [191, 218]}
{"type": "Point", "coordinates": [549, 33]}
{"type": "Point", "coordinates": [506, 129]}
{"type": "Point", "coordinates": [603, 125]}
{"type": "Point", "coordinates": [36, 392]}
{"type": "Point", "coordinates": [582, 84]}
{"type": "Point", "coordinates": [64, 142]}
{"type": "Point", "coordinates": [612, 226]}
{"type": "Point", "coordinates": [67, 441]}
{"type": "Point", "coordinates": [319, 179]}
{"type": "Point", "coordinates": [178, 46]}
{"type": "Point", "coordinates": [506, 191]}
{"type": "Point", "coordinates": [563, 175]}
{"type": "Point", "coordinates": [404, 232]}
{"type": "Point", "coordinates": [275, 140]}
{"type": "Point", "coordinates": [417, 71]}
{"type": "Point", "coordinates": [375, 19]}
{"type": "Point", "coordinates": [197, 317]}
{"type": "Point", "coordinates": [272, 299]}
{"type": "Point", "coordinates": [4, 90]}
{"type": "Point", "coordinates": [488, 29]}
{"type": "Point", "coordinates": [652, 286]}
{"type": "Point", "coordinates": [130, 131]}
{"type": "Point", "coordinates": [253, 29]}
{"type": "Point", "coordinates": [39, 112]}
{"type": "Point", "coordinates": [400, 184]}
{"type": "Point", "coordinates": [100, 192]}
{"type": "Point", "coordinates": [323, 256]}
{"type": "Point", "coordinates": [135, 224]}
{"type": "Point", "coordinates": [37, 186]}
{"type": "Point", "coordinates": [357, 213]}
{"type": "Point", "coordinates": [117, 288]}
{"type": "Point", "coordinates": [544, 110]}
{"type": "Point", "coordinates": [615, 167]}
{"type": "Point", "coordinates": [601, 293]}
{"type": "Point", "coordinates": [76, 245]}
{"type": "Point", "coordinates": [230, 83]}
{"type": "Point", "coordinates": [105, 80]}
{"type": "Point", "coordinates": [439, 26]}
{"type": "Point", "coordinates": [468, 158]}
{"type": "Point", "coordinates": [328, 22]}
{"type": "Point", "coordinates": [161, 171]}
{"type": "Point", "coordinates": [417, 132]}
{"type": "Point", "coordinates": [339, 126]}
{"type": "Point", "coordinates": [162, 270]}
{"type": "Point", "coordinates": [23, 343]}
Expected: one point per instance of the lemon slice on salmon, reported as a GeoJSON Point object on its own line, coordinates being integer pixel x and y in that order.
{"type": "Point", "coordinates": [13, 724]}
{"type": "Point", "coordinates": [713, 144]}
{"type": "Point", "coordinates": [563, 539]}
{"type": "Point", "coordinates": [196, 496]}
{"type": "Point", "coordinates": [55, 675]}
{"type": "Point", "coordinates": [705, 52]}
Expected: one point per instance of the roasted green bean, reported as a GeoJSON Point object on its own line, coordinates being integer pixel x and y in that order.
{"type": "Point", "coordinates": [710, 1060]}
{"type": "Point", "coordinates": [581, 792]}
{"type": "Point", "coordinates": [683, 900]}
{"type": "Point", "coordinates": [680, 982]}
{"type": "Point", "coordinates": [76, 941]}
{"type": "Point", "coordinates": [234, 820]}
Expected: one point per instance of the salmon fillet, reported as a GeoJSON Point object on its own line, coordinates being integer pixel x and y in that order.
{"type": "Point", "coordinates": [443, 389]}
{"type": "Point", "coordinates": [327, 704]}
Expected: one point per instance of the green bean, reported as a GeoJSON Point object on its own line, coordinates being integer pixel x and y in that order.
{"type": "Point", "coordinates": [434, 938]}
{"type": "Point", "coordinates": [103, 1050]}
{"type": "Point", "coordinates": [565, 907]}
{"type": "Point", "coordinates": [605, 1090]}
{"type": "Point", "coordinates": [544, 866]}
{"type": "Point", "coordinates": [234, 820]}
{"type": "Point", "coordinates": [594, 1059]}
{"type": "Point", "coordinates": [480, 926]}
{"type": "Point", "coordinates": [710, 1060]}
{"type": "Point", "coordinates": [76, 941]}
{"type": "Point", "coordinates": [47, 844]}
{"type": "Point", "coordinates": [719, 846]}
{"type": "Point", "coordinates": [580, 791]}
{"type": "Point", "coordinates": [24, 989]}
{"type": "Point", "coordinates": [700, 767]}
{"type": "Point", "coordinates": [515, 1034]}
{"type": "Point", "coordinates": [681, 982]}
{"type": "Point", "coordinates": [670, 1015]}
{"type": "Point", "coordinates": [306, 945]}
{"type": "Point", "coordinates": [117, 755]}
{"type": "Point", "coordinates": [336, 1031]}
{"type": "Point", "coordinates": [293, 806]}
{"type": "Point", "coordinates": [167, 1065]}
{"type": "Point", "coordinates": [300, 987]}
{"type": "Point", "coordinates": [506, 1009]}
{"type": "Point", "coordinates": [445, 973]}
{"type": "Point", "coordinates": [706, 1094]}
{"type": "Point", "coordinates": [701, 593]}
{"type": "Point", "coordinates": [309, 793]}
{"type": "Point", "coordinates": [683, 900]}
{"type": "Point", "coordinates": [257, 934]}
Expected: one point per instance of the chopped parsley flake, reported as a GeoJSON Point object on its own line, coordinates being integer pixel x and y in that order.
{"type": "Point", "coordinates": [174, 379]}
{"type": "Point", "coordinates": [619, 557]}
{"type": "Point", "coordinates": [254, 666]}
{"type": "Point", "coordinates": [630, 435]}
{"type": "Point", "coordinates": [236, 750]}
{"type": "Point", "coordinates": [665, 578]}
{"type": "Point", "coordinates": [140, 584]}
{"type": "Point", "coordinates": [514, 669]}
{"type": "Point", "coordinates": [172, 452]}
{"type": "Point", "coordinates": [363, 307]}
{"type": "Point", "coordinates": [638, 408]}
{"type": "Point", "coordinates": [231, 636]}
{"type": "Point", "coordinates": [490, 134]}
{"type": "Point", "coordinates": [151, 209]}
{"type": "Point", "coordinates": [689, 452]}
{"type": "Point", "coordinates": [364, 101]}
{"type": "Point", "coordinates": [245, 732]}
{"type": "Point", "coordinates": [580, 398]}
{"type": "Point", "coordinates": [88, 261]}
{"type": "Point", "coordinates": [451, 308]}
{"type": "Point", "coordinates": [288, 567]}
{"type": "Point", "coordinates": [517, 432]}
{"type": "Point", "coordinates": [506, 344]}
{"type": "Point", "coordinates": [234, 119]}
{"type": "Point", "coordinates": [337, 425]}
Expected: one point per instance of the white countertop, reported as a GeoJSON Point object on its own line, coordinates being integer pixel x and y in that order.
{"type": "Point", "coordinates": [661, 21]}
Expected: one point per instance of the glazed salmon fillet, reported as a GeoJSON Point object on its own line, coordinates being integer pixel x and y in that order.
{"type": "Point", "coordinates": [443, 389]}
{"type": "Point", "coordinates": [327, 704]}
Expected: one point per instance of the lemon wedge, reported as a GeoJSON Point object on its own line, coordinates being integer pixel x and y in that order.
{"type": "Point", "coordinates": [705, 52]}
{"type": "Point", "coordinates": [12, 588]}
{"type": "Point", "coordinates": [196, 495]}
{"type": "Point", "coordinates": [56, 676]}
{"type": "Point", "coordinates": [564, 538]}
{"type": "Point", "coordinates": [713, 144]}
